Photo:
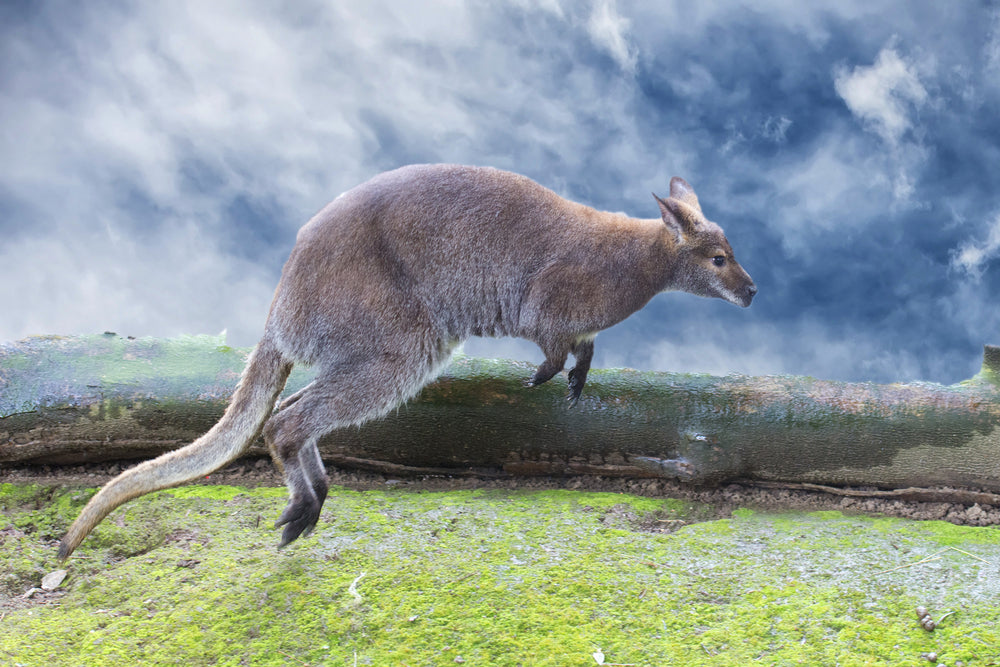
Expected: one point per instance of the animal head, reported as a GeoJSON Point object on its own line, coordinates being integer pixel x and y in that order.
{"type": "Point", "coordinates": [705, 262]}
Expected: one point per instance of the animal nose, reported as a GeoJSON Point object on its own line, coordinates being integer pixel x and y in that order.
{"type": "Point", "coordinates": [752, 291]}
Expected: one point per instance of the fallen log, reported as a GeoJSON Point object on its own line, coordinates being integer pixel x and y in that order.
{"type": "Point", "coordinates": [94, 398]}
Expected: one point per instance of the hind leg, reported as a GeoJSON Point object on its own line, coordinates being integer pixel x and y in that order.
{"type": "Point", "coordinates": [292, 443]}
{"type": "Point", "coordinates": [275, 458]}
{"type": "Point", "coordinates": [346, 395]}
{"type": "Point", "coordinates": [294, 397]}
{"type": "Point", "coordinates": [306, 478]}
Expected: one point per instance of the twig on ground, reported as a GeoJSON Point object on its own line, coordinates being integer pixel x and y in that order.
{"type": "Point", "coordinates": [928, 559]}
{"type": "Point", "coordinates": [933, 557]}
{"type": "Point", "coordinates": [945, 616]}
{"type": "Point", "coordinates": [981, 560]}
{"type": "Point", "coordinates": [353, 588]}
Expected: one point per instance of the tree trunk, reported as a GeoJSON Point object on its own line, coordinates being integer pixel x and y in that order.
{"type": "Point", "coordinates": [65, 400]}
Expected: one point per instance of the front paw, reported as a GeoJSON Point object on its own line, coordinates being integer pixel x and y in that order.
{"type": "Point", "coordinates": [544, 373]}
{"type": "Point", "coordinates": [577, 378]}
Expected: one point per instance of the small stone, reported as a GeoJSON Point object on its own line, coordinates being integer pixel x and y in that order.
{"type": "Point", "coordinates": [52, 580]}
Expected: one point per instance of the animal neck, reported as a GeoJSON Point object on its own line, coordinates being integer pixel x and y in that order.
{"type": "Point", "coordinates": [641, 253]}
{"type": "Point", "coordinates": [657, 268]}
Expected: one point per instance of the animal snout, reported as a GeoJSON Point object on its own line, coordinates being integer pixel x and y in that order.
{"type": "Point", "coordinates": [748, 294]}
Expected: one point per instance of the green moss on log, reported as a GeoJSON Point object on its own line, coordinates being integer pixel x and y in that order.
{"type": "Point", "coordinates": [70, 399]}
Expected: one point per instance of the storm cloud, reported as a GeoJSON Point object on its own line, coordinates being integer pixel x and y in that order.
{"type": "Point", "coordinates": [158, 158]}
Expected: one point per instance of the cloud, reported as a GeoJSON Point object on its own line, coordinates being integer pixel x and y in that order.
{"type": "Point", "coordinates": [775, 128]}
{"type": "Point", "coordinates": [239, 120]}
{"type": "Point", "coordinates": [609, 30]}
{"type": "Point", "coordinates": [158, 158]}
{"type": "Point", "coordinates": [991, 50]}
{"type": "Point", "coordinates": [154, 285]}
{"type": "Point", "coordinates": [885, 96]}
{"type": "Point", "coordinates": [550, 6]}
{"type": "Point", "coordinates": [834, 192]}
{"type": "Point", "coordinates": [972, 256]}
{"type": "Point", "coordinates": [882, 95]}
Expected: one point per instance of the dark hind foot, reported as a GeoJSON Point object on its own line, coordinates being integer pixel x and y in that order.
{"type": "Point", "coordinates": [301, 514]}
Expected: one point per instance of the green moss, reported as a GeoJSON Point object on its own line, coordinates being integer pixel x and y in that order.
{"type": "Point", "coordinates": [14, 495]}
{"type": "Point", "coordinates": [498, 578]}
{"type": "Point", "coordinates": [40, 511]}
{"type": "Point", "coordinates": [948, 534]}
{"type": "Point", "coordinates": [209, 492]}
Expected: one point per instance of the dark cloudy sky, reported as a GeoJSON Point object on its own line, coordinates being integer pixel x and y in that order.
{"type": "Point", "coordinates": [156, 159]}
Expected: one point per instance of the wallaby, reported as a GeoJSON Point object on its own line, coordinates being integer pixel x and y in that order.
{"type": "Point", "coordinates": [391, 276]}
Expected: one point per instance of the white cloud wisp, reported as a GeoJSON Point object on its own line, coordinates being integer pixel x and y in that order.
{"type": "Point", "coordinates": [882, 95]}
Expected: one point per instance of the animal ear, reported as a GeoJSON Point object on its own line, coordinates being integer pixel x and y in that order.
{"type": "Point", "coordinates": [678, 216]}
{"type": "Point", "coordinates": [680, 189]}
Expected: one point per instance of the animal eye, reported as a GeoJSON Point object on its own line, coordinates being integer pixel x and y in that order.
{"type": "Point", "coordinates": [718, 260]}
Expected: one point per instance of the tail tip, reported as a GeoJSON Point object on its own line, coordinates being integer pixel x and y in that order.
{"type": "Point", "coordinates": [65, 549]}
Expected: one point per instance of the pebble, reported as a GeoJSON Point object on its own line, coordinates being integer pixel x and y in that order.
{"type": "Point", "coordinates": [52, 580]}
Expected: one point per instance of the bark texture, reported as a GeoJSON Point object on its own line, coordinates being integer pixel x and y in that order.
{"type": "Point", "coordinates": [67, 400]}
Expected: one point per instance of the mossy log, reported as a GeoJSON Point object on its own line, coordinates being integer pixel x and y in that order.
{"type": "Point", "coordinates": [68, 400]}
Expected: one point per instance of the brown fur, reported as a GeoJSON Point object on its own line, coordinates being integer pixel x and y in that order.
{"type": "Point", "coordinates": [386, 280]}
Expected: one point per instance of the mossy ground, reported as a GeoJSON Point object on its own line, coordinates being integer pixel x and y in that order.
{"type": "Point", "coordinates": [191, 577]}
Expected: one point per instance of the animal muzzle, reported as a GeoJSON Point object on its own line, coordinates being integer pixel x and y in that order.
{"type": "Point", "coordinates": [747, 294]}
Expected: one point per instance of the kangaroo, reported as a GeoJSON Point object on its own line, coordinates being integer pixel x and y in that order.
{"type": "Point", "coordinates": [387, 279]}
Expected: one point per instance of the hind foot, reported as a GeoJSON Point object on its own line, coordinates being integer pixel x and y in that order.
{"type": "Point", "coordinates": [301, 514]}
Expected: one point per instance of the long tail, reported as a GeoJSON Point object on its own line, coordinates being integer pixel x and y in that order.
{"type": "Point", "coordinates": [251, 406]}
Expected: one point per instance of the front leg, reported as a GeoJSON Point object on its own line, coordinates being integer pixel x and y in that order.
{"type": "Point", "coordinates": [583, 350]}
{"type": "Point", "coordinates": [547, 370]}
